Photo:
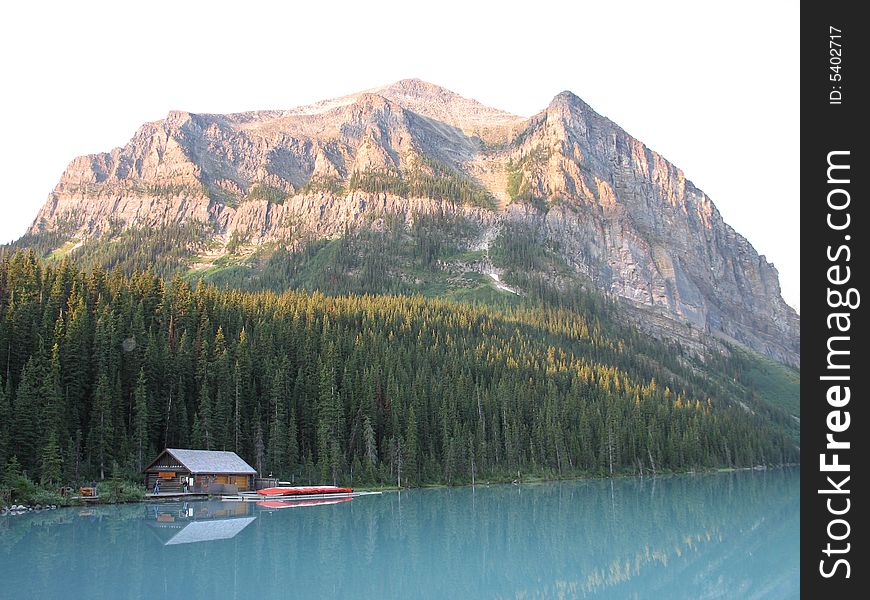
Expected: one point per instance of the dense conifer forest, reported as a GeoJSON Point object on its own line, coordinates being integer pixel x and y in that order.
{"type": "Point", "coordinates": [103, 368]}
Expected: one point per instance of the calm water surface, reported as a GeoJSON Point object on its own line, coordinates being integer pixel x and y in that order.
{"type": "Point", "coordinates": [731, 535]}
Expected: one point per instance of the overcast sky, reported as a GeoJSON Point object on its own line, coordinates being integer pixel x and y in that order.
{"type": "Point", "coordinates": [711, 86]}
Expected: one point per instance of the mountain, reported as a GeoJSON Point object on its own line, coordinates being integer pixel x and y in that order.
{"type": "Point", "coordinates": [414, 188]}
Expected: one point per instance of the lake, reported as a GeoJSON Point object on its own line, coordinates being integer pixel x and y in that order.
{"type": "Point", "coordinates": [726, 535]}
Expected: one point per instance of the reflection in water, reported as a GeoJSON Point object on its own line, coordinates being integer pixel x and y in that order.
{"type": "Point", "coordinates": [189, 522]}
{"type": "Point", "coordinates": [279, 504]}
{"type": "Point", "coordinates": [731, 535]}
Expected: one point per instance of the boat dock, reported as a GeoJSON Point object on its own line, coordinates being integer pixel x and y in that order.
{"type": "Point", "coordinates": [176, 496]}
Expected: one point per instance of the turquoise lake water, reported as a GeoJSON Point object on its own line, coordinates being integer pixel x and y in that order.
{"type": "Point", "coordinates": [729, 535]}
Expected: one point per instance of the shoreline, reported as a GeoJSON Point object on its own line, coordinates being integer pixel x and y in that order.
{"type": "Point", "coordinates": [19, 509]}
{"type": "Point", "coordinates": [539, 480]}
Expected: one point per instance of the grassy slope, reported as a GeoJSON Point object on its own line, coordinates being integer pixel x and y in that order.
{"type": "Point", "coordinates": [773, 382]}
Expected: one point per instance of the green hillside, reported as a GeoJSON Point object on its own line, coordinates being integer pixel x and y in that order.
{"type": "Point", "coordinates": [107, 368]}
{"type": "Point", "coordinates": [771, 381]}
{"type": "Point", "coordinates": [427, 259]}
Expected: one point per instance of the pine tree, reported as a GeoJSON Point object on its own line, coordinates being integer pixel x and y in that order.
{"type": "Point", "coordinates": [73, 462]}
{"type": "Point", "coordinates": [12, 471]}
{"type": "Point", "coordinates": [77, 369]}
{"type": "Point", "coordinates": [54, 414]}
{"type": "Point", "coordinates": [329, 427]}
{"type": "Point", "coordinates": [197, 437]}
{"type": "Point", "coordinates": [259, 447]}
{"type": "Point", "coordinates": [292, 444]}
{"type": "Point", "coordinates": [101, 434]}
{"type": "Point", "coordinates": [411, 451]}
{"type": "Point", "coordinates": [25, 416]}
{"type": "Point", "coordinates": [370, 448]}
{"type": "Point", "coordinates": [141, 422]}
{"type": "Point", "coordinates": [5, 426]}
{"type": "Point", "coordinates": [237, 409]}
{"type": "Point", "coordinates": [52, 463]}
{"type": "Point", "coordinates": [276, 445]}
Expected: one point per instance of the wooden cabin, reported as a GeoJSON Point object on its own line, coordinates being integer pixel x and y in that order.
{"type": "Point", "coordinates": [202, 471]}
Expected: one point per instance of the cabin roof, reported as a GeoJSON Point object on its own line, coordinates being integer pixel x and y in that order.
{"type": "Point", "coordinates": [209, 461]}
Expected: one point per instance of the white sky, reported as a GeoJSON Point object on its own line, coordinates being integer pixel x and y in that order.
{"type": "Point", "coordinates": [711, 86]}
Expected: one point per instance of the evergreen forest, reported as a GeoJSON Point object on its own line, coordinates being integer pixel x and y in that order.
{"type": "Point", "coordinates": [102, 368]}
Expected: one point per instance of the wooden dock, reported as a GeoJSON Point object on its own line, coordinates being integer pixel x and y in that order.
{"type": "Point", "coordinates": [85, 498]}
{"type": "Point", "coordinates": [176, 496]}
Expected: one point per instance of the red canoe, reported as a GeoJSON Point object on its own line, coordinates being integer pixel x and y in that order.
{"type": "Point", "coordinates": [305, 490]}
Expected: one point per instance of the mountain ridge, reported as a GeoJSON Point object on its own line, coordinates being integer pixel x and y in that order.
{"type": "Point", "coordinates": [616, 213]}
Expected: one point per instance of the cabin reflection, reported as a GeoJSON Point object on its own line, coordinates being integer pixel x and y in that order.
{"type": "Point", "coordinates": [190, 522]}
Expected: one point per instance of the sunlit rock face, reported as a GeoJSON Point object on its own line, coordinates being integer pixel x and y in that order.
{"type": "Point", "coordinates": [622, 216]}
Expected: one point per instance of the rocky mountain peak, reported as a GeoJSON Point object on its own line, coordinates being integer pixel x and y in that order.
{"type": "Point", "coordinates": [417, 88]}
{"type": "Point", "coordinates": [177, 117]}
{"type": "Point", "coordinates": [438, 103]}
{"type": "Point", "coordinates": [568, 100]}
{"type": "Point", "coordinates": [618, 214]}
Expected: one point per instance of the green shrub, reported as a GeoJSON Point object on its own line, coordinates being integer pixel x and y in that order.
{"type": "Point", "coordinates": [269, 193]}
{"type": "Point", "coordinates": [27, 492]}
{"type": "Point", "coordinates": [115, 490]}
{"type": "Point", "coordinates": [437, 182]}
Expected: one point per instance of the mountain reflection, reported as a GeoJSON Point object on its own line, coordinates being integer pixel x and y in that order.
{"type": "Point", "coordinates": [728, 535]}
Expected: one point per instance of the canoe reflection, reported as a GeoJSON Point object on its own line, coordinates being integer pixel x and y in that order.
{"type": "Point", "coordinates": [279, 504]}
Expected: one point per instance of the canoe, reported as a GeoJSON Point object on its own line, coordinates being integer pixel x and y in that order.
{"type": "Point", "coordinates": [304, 490]}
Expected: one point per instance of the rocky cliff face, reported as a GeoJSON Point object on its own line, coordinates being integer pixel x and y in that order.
{"type": "Point", "coordinates": [621, 215]}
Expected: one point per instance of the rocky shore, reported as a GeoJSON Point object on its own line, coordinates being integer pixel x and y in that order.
{"type": "Point", "coordinates": [20, 509]}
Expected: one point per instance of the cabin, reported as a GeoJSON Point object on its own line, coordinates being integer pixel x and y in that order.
{"type": "Point", "coordinates": [199, 472]}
